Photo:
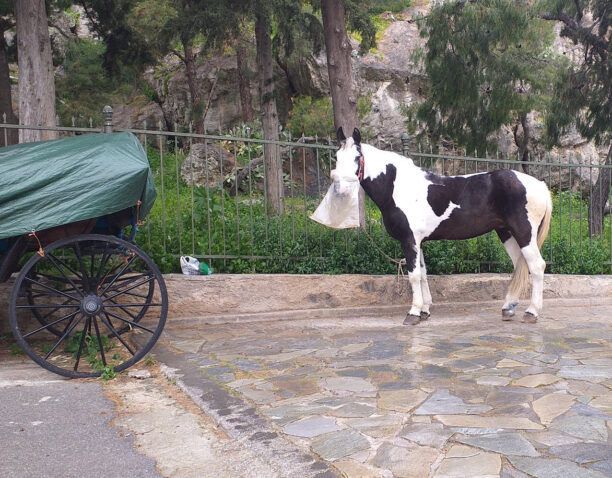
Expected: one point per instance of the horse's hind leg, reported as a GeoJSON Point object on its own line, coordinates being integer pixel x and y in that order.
{"type": "Point", "coordinates": [536, 265]}
{"type": "Point", "coordinates": [425, 290]}
{"type": "Point", "coordinates": [514, 251]}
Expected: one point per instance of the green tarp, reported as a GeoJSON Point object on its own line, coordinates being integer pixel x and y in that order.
{"type": "Point", "coordinates": [52, 183]}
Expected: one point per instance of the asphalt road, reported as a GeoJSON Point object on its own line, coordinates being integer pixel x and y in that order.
{"type": "Point", "coordinates": [50, 427]}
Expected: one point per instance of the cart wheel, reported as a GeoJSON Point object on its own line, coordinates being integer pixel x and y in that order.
{"type": "Point", "coordinates": [100, 304]}
{"type": "Point", "coordinates": [47, 316]}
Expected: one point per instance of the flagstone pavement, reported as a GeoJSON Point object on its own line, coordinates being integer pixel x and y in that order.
{"type": "Point", "coordinates": [460, 395]}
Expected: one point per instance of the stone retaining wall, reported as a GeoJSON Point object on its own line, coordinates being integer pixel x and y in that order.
{"type": "Point", "coordinates": [241, 295]}
{"type": "Point", "coordinates": [228, 294]}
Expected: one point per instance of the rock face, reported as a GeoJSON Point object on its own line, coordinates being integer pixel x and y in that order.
{"type": "Point", "coordinates": [206, 165]}
{"type": "Point", "coordinates": [387, 76]}
{"type": "Point", "coordinates": [392, 80]}
{"type": "Point", "coordinates": [217, 78]}
{"type": "Point", "coordinates": [308, 75]}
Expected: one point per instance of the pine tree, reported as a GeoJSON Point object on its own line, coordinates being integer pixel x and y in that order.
{"type": "Point", "coordinates": [489, 64]}
{"type": "Point", "coordinates": [583, 92]}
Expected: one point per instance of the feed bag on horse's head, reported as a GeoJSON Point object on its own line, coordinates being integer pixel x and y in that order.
{"type": "Point", "coordinates": [340, 206]}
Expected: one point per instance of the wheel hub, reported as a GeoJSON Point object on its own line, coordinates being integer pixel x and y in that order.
{"type": "Point", "coordinates": [91, 305]}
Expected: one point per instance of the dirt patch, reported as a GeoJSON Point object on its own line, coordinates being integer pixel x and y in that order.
{"type": "Point", "coordinates": [167, 426]}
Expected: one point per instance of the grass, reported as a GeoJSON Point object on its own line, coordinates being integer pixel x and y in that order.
{"type": "Point", "coordinates": [16, 350]}
{"type": "Point", "coordinates": [91, 349]}
{"type": "Point", "coordinates": [209, 222]}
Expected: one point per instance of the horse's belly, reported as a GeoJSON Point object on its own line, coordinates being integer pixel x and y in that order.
{"type": "Point", "coordinates": [458, 226]}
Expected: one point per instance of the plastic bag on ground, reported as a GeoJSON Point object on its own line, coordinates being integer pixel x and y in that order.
{"type": "Point", "coordinates": [340, 206]}
{"type": "Point", "coordinates": [190, 266]}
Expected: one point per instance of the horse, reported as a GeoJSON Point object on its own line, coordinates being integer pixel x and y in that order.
{"type": "Point", "coordinates": [418, 206]}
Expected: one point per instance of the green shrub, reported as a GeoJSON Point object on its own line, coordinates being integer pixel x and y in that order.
{"type": "Point", "coordinates": [310, 116]}
{"type": "Point", "coordinates": [394, 6]}
{"type": "Point", "coordinates": [84, 87]}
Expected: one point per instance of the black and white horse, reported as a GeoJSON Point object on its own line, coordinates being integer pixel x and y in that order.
{"type": "Point", "coordinates": [418, 206]}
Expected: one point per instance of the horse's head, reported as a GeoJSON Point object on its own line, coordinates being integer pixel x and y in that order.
{"type": "Point", "coordinates": [347, 160]}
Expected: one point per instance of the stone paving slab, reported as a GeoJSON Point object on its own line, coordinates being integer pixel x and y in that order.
{"type": "Point", "coordinates": [463, 394]}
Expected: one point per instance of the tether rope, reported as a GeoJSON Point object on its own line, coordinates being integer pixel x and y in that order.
{"type": "Point", "coordinates": [41, 251]}
{"type": "Point", "coordinates": [400, 262]}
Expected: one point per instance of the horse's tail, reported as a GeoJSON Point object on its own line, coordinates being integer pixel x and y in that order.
{"type": "Point", "coordinates": [520, 277]}
{"type": "Point", "coordinates": [545, 224]}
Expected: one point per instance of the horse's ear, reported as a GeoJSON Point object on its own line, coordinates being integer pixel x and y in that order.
{"type": "Point", "coordinates": [340, 135]}
{"type": "Point", "coordinates": [357, 136]}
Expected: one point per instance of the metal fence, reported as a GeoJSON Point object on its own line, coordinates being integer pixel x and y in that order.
{"type": "Point", "coordinates": [212, 205]}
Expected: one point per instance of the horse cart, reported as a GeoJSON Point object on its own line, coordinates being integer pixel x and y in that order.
{"type": "Point", "coordinates": [86, 300]}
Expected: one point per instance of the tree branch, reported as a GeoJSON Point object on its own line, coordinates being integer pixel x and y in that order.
{"type": "Point", "coordinates": [95, 25]}
{"type": "Point", "coordinates": [6, 24]}
{"type": "Point", "coordinates": [525, 142]}
{"type": "Point", "coordinates": [59, 30]}
{"type": "Point", "coordinates": [577, 33]}
{"type": "Point", "coordinates": [578, 9]}
{"type": "Point", "coordinates": [210, 95]}
{"type": "Point", "coordinates": [178, 54]}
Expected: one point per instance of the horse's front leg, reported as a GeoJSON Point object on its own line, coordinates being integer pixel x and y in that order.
{"type": "Point", "coordinates": [412, 253]}
{"type": "Point", "coordinates": [427, 301]}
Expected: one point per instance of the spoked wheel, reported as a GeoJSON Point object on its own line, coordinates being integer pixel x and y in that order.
{"type": "Point", "coordinates": [46, 315]}
{"type": "Point", "coordinates": [91, 304]}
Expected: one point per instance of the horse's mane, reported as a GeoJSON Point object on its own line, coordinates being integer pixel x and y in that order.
{"type": "Point", "coordinates": [392, 157]}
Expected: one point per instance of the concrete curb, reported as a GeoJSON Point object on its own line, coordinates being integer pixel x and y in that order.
{"type": "Point", "coordinates": [398, 311]}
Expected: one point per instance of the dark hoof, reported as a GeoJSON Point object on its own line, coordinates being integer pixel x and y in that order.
{"type": "Point", "coordinates": [425, 315]}
{"type": "Point", "coordinates": [508, 314]}
{"type": "Point", "coordinates": [412, 319]}
{"type": "Point", "coordinates": [529, 318]}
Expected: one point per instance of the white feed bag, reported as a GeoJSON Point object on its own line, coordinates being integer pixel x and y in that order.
{"type": "Point", "coordinates": [340, 206]}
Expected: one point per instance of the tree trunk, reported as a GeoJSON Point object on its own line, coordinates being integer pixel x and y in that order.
{"type": "Point", "coordinates": [269, 115]}
{"type": "Point", "coordinates": [339, 69]}
{"type": "Point", "coordinates": [189, 59]}
{"type": "Point", "coordinates": [522, 143]}
{"type": "Point", "coordinates": [36, 82]}
{"type": "Point", "coordinates": [599, 197]}
{"type": "Point", "coordinates": [244, 75]}
{"type": "Point", "coordinates": [169, 120]}
{"type": "Point", "coordinates": [7, 136]}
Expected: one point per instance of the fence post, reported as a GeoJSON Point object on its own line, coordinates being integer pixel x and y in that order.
{"type": "Point", "coordinates": [108, 119]}
{"type": "Point", "coordinates": [405, 140]}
